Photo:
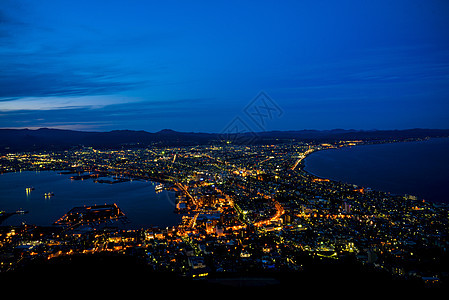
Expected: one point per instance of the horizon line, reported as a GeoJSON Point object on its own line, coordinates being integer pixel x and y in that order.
{"type": "Point", "coordinates": [172, 130]}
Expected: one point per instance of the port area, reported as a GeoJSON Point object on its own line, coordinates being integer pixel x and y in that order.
{"type": "Point", "coordinates": [95, 176]}
{"type": "Point", "coordinates": [5, 215]}
{"type": "Point", "coordinates": [92, 215]}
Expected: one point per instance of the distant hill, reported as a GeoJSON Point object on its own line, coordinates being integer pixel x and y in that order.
{"type": "Point", "coordinates": [56, 139]}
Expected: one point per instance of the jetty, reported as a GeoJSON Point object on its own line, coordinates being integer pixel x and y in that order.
{"type": "Point", "coordinates": [5, 215]}
{"type": "Point", "coordinates": [91, 215]}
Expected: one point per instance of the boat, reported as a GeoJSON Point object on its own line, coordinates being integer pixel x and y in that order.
{"type": "Point", "coordinates": [49, 194]}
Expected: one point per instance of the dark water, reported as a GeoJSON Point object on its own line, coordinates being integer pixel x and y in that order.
{"type": "Point", "coordinates": [138, 199]}
{"type": "Point", "coordinates": [414, 168]}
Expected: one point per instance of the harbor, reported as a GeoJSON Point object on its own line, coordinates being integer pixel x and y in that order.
{"type": "Point", "coordinates": [144, 206]}
{"type": "Point", "coordinates": [95, 214]}
{"type": "Point", "coordinates": [5, 215]}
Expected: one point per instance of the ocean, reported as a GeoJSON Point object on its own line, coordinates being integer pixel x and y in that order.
{"type": "Point", "coordinates": [418, 168]}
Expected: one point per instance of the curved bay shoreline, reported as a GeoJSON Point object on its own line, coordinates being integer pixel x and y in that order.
{"type": "Point", "coordinates": [346, 176]}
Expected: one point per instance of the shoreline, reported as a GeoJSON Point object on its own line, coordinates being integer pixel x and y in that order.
{"type": "Point", "coordinates": [65, 179]}
{"type": "Point", "coordinates": [303, 166]}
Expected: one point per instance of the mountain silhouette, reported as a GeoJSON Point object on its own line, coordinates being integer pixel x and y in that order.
{"type": "Point", "coordinates": [13, 140]}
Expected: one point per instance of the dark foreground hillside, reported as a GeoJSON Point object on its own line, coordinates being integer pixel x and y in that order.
{"type": "Point", "coordinates": [107, 273]}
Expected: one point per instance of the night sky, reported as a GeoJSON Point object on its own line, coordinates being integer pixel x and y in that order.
{"type": "Point", "coordinates": [199, 65]}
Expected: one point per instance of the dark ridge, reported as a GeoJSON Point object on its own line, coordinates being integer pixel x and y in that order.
{"type": "Point", "coordinates": [13, 140]}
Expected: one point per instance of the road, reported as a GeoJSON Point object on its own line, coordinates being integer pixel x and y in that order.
{"type": "Point", "coordinates": [301, 157]}
{"type": "Point", "coordinates": [184, 189]}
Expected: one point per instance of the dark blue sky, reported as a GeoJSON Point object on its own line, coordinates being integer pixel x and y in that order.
{"type": "Point", "coordinates": [196, 65]}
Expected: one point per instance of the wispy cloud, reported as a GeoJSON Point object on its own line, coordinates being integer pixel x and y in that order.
{"type": "Point", "coordinates": [388, 72]}
{"type": "Point", "coordinates": [59, 103]}
{"type": "Point", "coordinates": [99, 112]}
{"type": "Point", "coordinates": [35, 61]}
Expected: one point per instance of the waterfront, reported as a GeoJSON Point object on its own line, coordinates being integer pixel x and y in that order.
{"type": "Point", "coordinates": [245, 210]}
{"type": "Point", "coordinates": [137, 198]}
{"type": "Point", "coordinates": [417, 168]}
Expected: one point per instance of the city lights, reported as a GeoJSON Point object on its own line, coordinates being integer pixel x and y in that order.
{"type": "Point", "coordinates": [252, 205]}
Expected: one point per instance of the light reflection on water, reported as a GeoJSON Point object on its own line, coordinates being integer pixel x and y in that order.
{"type": "Point", "coordinates": [137, 198]}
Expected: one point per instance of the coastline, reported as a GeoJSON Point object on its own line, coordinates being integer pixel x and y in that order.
{"type": "Point", "coordinates": [134, 199]}
{"type": "Point", "coordinates": [286, 225]}
{"type": "Point", "coordinates": [303, 168]}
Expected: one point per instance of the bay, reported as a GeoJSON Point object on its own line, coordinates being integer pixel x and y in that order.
{"type": "Point", "coordinates": [137, 198]}
{"type": "Point", "coordinates": [418, 168]}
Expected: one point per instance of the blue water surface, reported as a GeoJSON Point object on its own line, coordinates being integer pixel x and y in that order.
{"type": "Point", "coordinates": [415, 168]}
{"type": "Point", "coordinates": [138, 199]}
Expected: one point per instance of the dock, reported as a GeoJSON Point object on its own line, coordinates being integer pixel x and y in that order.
{"type": "Point", "coordinates": [91, 215]}
{"type": "Point", "coordinates": [5, 215]}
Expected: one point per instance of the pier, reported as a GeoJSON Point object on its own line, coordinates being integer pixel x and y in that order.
{"type": "Point", "coordinates": [5, 215]}
{"type": "Point", "coordinates": [91, 214]}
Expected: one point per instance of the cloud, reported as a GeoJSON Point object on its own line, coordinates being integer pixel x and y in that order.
{"type": "Point", "coordinates": [102, 112]}
{"type": "Point", "coordinates": [36, 62]}
{"type": "Point", "coordinates": [35, 80]}
{"type": "Point", "coordinates": [60, 103]}
{"type": "Point", "coordinates": [393, 72]}
{"type": "Point", "coordinates": [10, 25]}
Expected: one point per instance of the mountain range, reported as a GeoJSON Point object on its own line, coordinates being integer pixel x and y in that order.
{"type": "Point", "coordinates": [13, 140]}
